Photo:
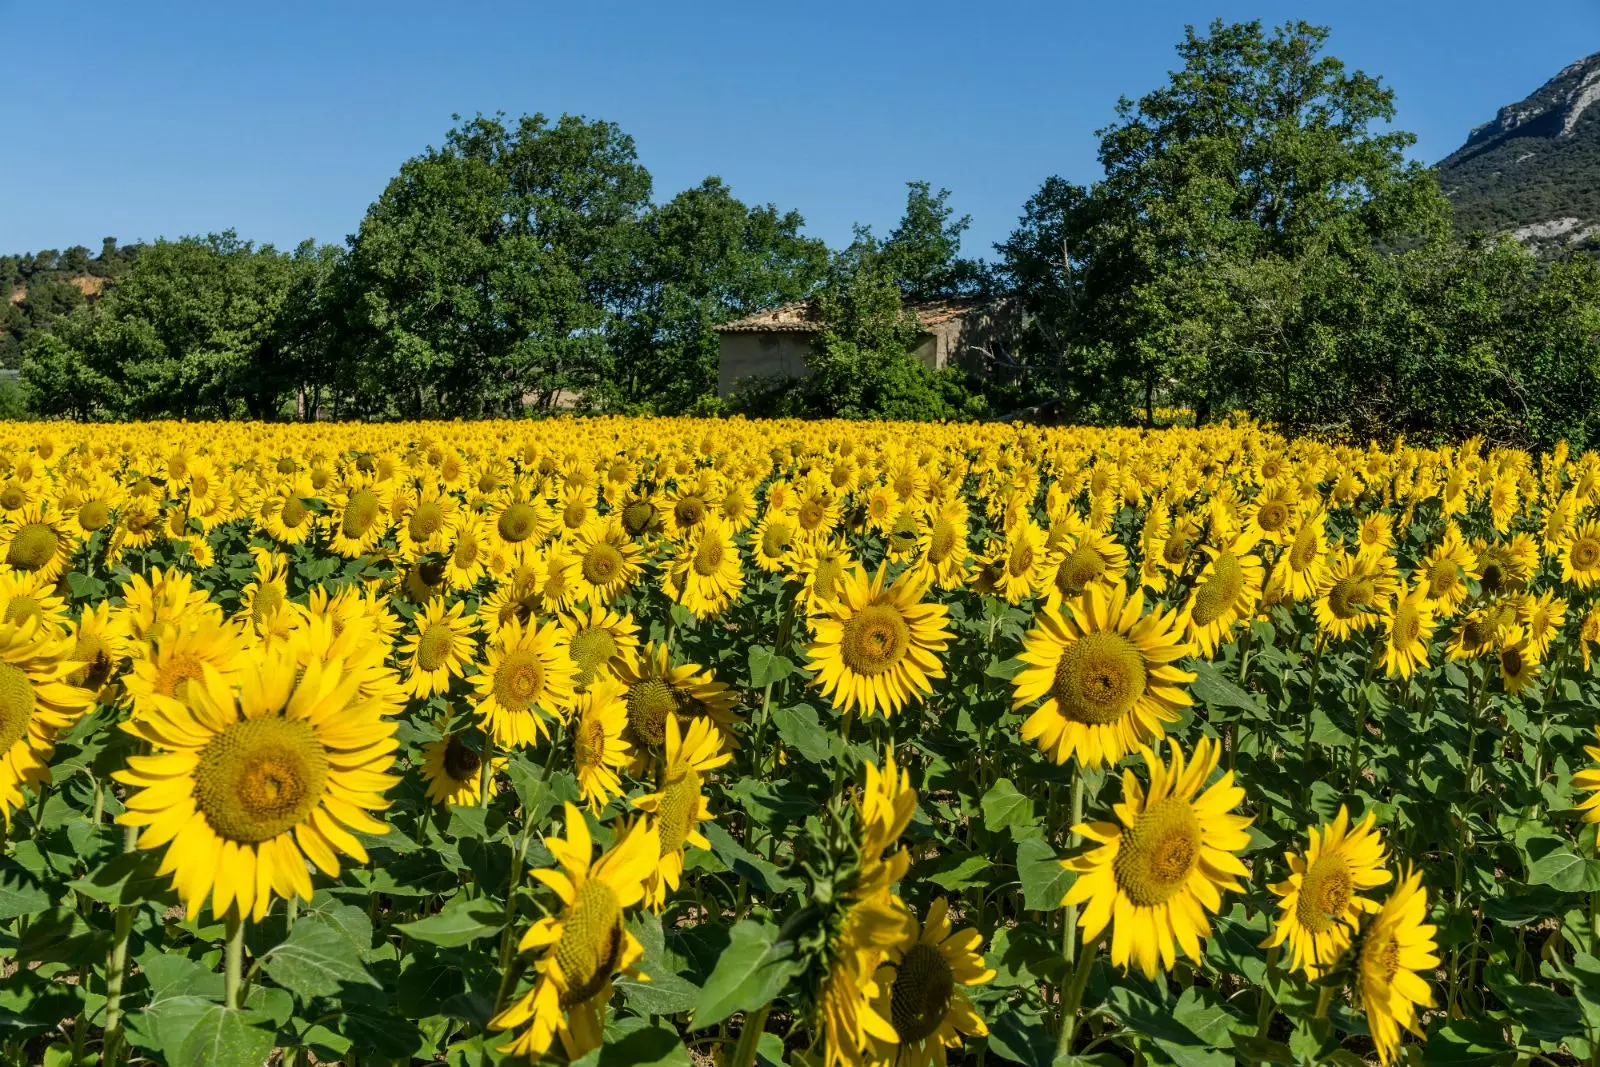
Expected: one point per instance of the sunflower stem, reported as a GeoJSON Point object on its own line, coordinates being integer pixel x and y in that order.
{"type": "Point", "coordinates": [1364, 708]}
{"type": "Point", "coordinates": [1311, 707]}
{"type": "Point", "coordinates": [486, 771]}
{"type": "Point", "coordinates": [1069, 940]}
{"type": "Point", "coordinates": [291, 912]}
{"type": "Point", "coordinates": [506, 942]}
{"type": "Point", "coordinates": [116, 970]}
{"type": "Point", "coordinates": [235, 958]}
{"type": "Point", "coordinates": [744, 1053]}
{"type": "Point", "coordinates": [1268, 1001]}
{"type": "Point", "coordinates": [1074, 994]}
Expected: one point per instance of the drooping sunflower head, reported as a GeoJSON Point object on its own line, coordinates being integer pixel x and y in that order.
{"type": "Point", "coordinates": [1397, 955]}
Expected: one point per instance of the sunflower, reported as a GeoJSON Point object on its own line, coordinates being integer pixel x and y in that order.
{"type": "Point", "coordinates": [1273, 515]}
{"type": "Point", "coordinates": [678, 807]}
{"type": "Point", "coordinates": [655, 690]}
{"type": "Point", "coordinates": [1226, 593]}
{"type": "Point", "coordinates": [102, 644]}
{"type": "Point", "coordinates": [1479, 631]}
{"type": "Point", "coordinates": [773, 541]}
{"type": "Point", "coordinates": [1319, 903]}
{"type": "Point", "coordinates": [1157, 875]}
{"type": "Point", "coordinates": [1375, 535]}
{"type": "Point", "coordinates": [1358, 586]}
{"type": "Point", "coordinates": [1302, 573]}
{"type": "Point", "coordinates": [423, 518]}
{"type": "Point", "coordinates": [1408, 629]}
{"type": "Point", "coordinates": [251, 779]}
{"type": "Point", "coordinates": [468, 557]}
{"type": "Point", "coordinates": [880, 508]}
{"type": "Point", "coordinates": [821, 566]}
{"type": "Point", "coordinates": [359, 517]}
{"type": "Point", "coordinates": [1519, 665]}
{"type": "Point", "coordinates": [1105, 671]}
{"type": "Point", "coordinates": [585, 945]}
{"type": "Point", "coordinates": [1397, 952]}
{"type": "Point", "coordinates": [597, 638]}
{"type": "Point", "coordinates": [162, 674]}
{"type": "Point", "coordinates": [942, 552]}
{"type": "Point", "coordinates": [285, 513]}
{"type": "Point", "coordinates": [576, 508]}
{"type": "Point", "coordinates": [1589, 634]}
{"type": "Point", "coordinates": [600, 715]}
{"type": "Point", "coordinates": [454, 772]}
{"type": "Point", "coordinates": [877, 647]}
{"type": "Point", "coordinates": [608, 562]}
{"type": "Point", "coordinates": [439, 648]}
{"type": "Point", "coordinates": [38, 701]}
{"type": "Point", "coordinates": [38, 541]}
{"type": "Point", "coordinates": [919, 990]}
{"type": "Point", "coordinates": [526, 681]}
{"type": "Point", "coordinates": [705, 576]}
{"type": "Point", "coordinates": [25, 596]}
{"type": "Point", "coordinates": [264, 606]}
{"type": "Point", "coordinates": [1445, 569]}
{"type": "Point", "coordinates": [1542, 617]}
{"type": "Point", "coordinates": [522, 521]}
{"type": "Point", "coordinates": [1022, 561]}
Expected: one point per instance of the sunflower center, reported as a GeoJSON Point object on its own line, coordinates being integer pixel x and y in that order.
{"type": "Point", "coordinates": [267, 602]}
{"type": "Point", "coordinates": [16, 705]}
{"type": "Point", "coordinates": [574, 515]}
{"type": "Point", "coordinates": [811, 515]}
{"type": "Point", "coordinates": [591, 650]}
{"type": "Point", "coordinates": [460, 762]}
{"type": "Point", "coordinates": [1407, 625]}
{"type": "Point", "coordinates": [1585, 552]}
{"type": "Point", "coordinates": [22, 608]}
{"type": "Point", "coordinates": [708, 557]}
{"type": "Point", "coordinates": [777, 538]}
{"type": "Point", "coordinates": [591, 942]}
{"type": "Point", "coordinates": [517, 522]}
{"type": "Point", "coordinates": [1158, 852]}
{"type": "Point", "coordinates": [433, 651]}
{"type": "Point", "coordinates": [34, 546]}
{"type": "Point", "coordinates": [689, 512]}
{"type": "Point", "coordinates": [923, 986]}
{"type": "Point", "coordinates": [680, 803]}
{"type": "Point", "coordinates": [359, 513]}
{"type": "Point", "coordinates": [1219, 592]}
{"type": "Point", "coordinates": [942, 542]}
{"type": "Point", "coordinates": [1099, 678]}
{"type": "Point", "coordinates": [1349, 597]}
{"type": "Point", "coordinates": [874, 640]}
{"type": "Point", "coordinates": [260, 777]}
{"type": "Point", "coordinates": [1383, 955]}
{"type": "Point", "coordinates": [285, 465]}
{"type": "Point", "coordinates": [179, 669]}
{"type": "Point", "coordinates": [903, 537]}
{"type": "Point", "coordinates": [650, 701]}
{"type": "Point", "coordinates": [1175, 550]}
{"type": "Point", "coordinates": [829, 570]}
{"type": "Point", "coordinates": [1304, 549]}
{"type": "Point", "coordinates": [1475, 633]}
{"type": "Point", "coordinates": [200, 485]}
{"type": "Point", "coordinates": [466, 552]}
{"type": "Point", "coordinates": [1272, 516]}
{"type": "Point", "coordinates": [1020, 561]}
{"type": "Point", "coordinates": [602, 563]}
{"type": "Point", "coordinates": [638, 517]}
{"type": "Point", "coordinates": [1492, 578]}
{"type": "Point", "coordinates": [1324, 893]}
{"type": "Point", "coordinates": [426, 521]}
{"type": "Point", "coordinates": [589, 745]}
{"type": "Point", "coordinates": [1081, 567]}
{"type": "Point", "coordinates": [13, 497]}
{"type": "Point", "coordinates": [94, 515]}
{"type": "Point", "coordinates": [293, 513]}
{"type": "Point", "coordinates": [1511, 660]}
{"type": "Point", "coordinates": [97, 663]}
{"type": "Point", "coordinates": [1443, 577]}
{"type": "Point", "coordinates": [519, 680]}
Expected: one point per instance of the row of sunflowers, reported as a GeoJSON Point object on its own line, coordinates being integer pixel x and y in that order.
{"type": "Point", "coordinates": [625, 741]}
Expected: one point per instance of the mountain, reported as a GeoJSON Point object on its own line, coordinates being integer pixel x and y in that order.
{"type": "Point", "coordinates": [1535, 170]}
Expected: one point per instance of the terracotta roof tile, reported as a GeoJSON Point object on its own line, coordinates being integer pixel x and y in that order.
{"type": "Point", "coordinates": [800, 317]}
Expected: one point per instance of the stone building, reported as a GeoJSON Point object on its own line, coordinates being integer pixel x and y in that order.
{"type": "Point", "coordinates": [777, 341]}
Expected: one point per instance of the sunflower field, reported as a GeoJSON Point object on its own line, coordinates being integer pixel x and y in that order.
{"type": "Point", "coordinates": [669, 742]}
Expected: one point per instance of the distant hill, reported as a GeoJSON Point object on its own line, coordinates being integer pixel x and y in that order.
{"type": "Point", "coordinates": [1535, 170]}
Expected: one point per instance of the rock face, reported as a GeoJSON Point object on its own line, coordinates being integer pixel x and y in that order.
{"type": "Point", "coordinates": [1535, 170]}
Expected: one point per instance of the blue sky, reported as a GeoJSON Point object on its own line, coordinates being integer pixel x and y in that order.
{"type": "Point", "coordinates": [284, 120]}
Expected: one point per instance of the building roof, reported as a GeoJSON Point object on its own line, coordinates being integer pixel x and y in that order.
{"type": "Point", "coordinates": [801, 317]}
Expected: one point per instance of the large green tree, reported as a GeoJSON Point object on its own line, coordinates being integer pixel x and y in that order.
{"type": "Point", "coordinates": [698, 260]}
{"type": "Point", "coordinates": [484, 274]}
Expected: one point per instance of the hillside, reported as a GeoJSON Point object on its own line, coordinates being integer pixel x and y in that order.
{"type": "Point", "coordinates": [1535, 169]}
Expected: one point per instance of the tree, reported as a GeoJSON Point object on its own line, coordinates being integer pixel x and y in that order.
{"type": "Point", "coordinates": [698, 260]}
{"type": "Point", "coordinates": [923, 253]}
{"type": "Point", "coordinates": [1259, 156]}
{"type": "Point", "coordinates": [484, 273]}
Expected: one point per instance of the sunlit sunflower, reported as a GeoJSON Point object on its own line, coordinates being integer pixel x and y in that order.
{"type": "Point", "coordinates": [877, 648]}
{"type": "Point", "coordinates": [1157, 875]}
{"type": "Point", "coordinates": [522, 521]}
{"type": "Point", "coordinates": [1302, 568]}
{"type": "Point", "coordinates": [38, 540]}
{"type": "Point", "coordinates": [1022, 561]}
{"type": "Point", "coordinates": [608, 562]}
{"type": "Point", "coordinates": [1226, 593]}
{"type": "Point", "coordinates": [454, 772]}
{"type": "Point", "coordinates": [821, 566]}
{"type": "Point", "coordinates": [526, 682]}
{"type": "Point", "coordinates": [25, 596]}
{"type": "Point", "coordinates": [285, 513]}
{"type": "Point", "coordinates": [1408, 629]}
{"type": "Point", "coordinates": [600, 715]}
{"type": "Point", "coordinates": [359, 516]}
{"type": "Point", "coordinates": [656, 689]}
{"type": "Point", "coordinates": [678, 807]}
{"type": "Point", "coordinates": [1375, 535]}
{"type": "Point", "coordinates": [1357, 588]}
{"type": "Point", "coordinates": [251, 778]}
{"type": "Point", "coordinates": [773, 541]}
{"type": "Point", "coordinates": [1542, 617]}
{"type": "Point", "coordinates": [1320, 903]}
{"type": "Point", "coordinates": [585, 945]}
{"type": "Point", "coordinates": [162, 672]}
{"type": "Point", "coordinates": [1082, 558]}
{"type": "Point", "coordinates": [705, 576]}
{"type": "Point", "coordinates": [1444, 571]}
{"type": "Point", "coordinates": [424, 518]}
{"type": "Point", "coordinates": [1105, 672]}
{"type": "Point", "coordinates": [1397, 953]}
{"type": "Point", "coordinates": [102, 644]}
{"type": "Point", "coordinates": [37, 703]}
{"type": "Point", "coordinates": [438, 649]}
{"type": "Point", "coordinates": [1479, 631]}
{"type": "Point", "coordinates": [919, 990]}
{"type": "Point", "coordinates": [942, 549]}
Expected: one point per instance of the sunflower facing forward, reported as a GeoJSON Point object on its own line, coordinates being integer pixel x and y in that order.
{"type": "Point", "coordinates": [526, 682]}
{"type": "Point", "coordinates": [919, 990]}
{"type": "Point", "coordinates": [1227, 592]}
{"type": "Point", "coordinates": [599, 751]}
{"type": "Point", "coordinates": [1105, 671]}
{"type": "Point", "coordinates": [705, 576]}
{"type": "Point", "coordinates": [1397, 952]}
{"type": "Point", "coordinates": [454, 772]}
{"type": "Point", "coordinates": [253, 777]}
{"type": "Point", "coordinates": [1320, 902]}
{"type": "Point", "coordinates": [439, 648]}
{"type": "Point", "coordinates": [878, 646]}
{"type": "Point", "coordinates": [581, 948]}
{"type": "Point", "coordinates": [679, 807]}
{"type": "Point", "coordinates": [1156, 875]}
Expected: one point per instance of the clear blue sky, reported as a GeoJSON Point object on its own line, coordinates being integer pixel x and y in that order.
{"type": "Point", "coordinates": [284, 120]}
